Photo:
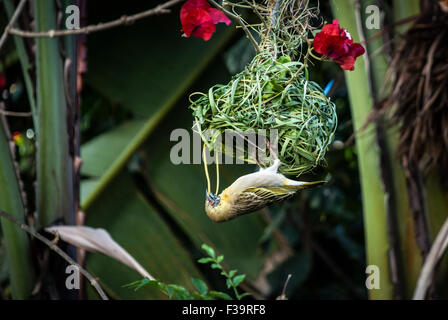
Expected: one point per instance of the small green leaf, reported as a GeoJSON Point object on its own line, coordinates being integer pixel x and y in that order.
{"type": "Point", "coordinates": [136, 283]}
{"type": "Point", "coordinates": [215, 266]}
{"type": "Point", "coordinates": [170, 291]}
{"type": "Point", "coordinates": [238, 279]}
{"type": "Point", "coordinates": [209, 250]}
{"type": "Point", "coordinates": [241, 296]}
{"type": "Point", "coordinates": [229, 283]}
{"type": "Point", "coordinates": [200, 285]}
{"type": "Point", "coordinates": [219, 295]}
{"type": "Point", "coordinates": [205, 260]}
{"type": "Point", "coordinates": [181, 296]}
{"type": "Point", "coordinates": [180, 292]}
{"type": "Point", "coordinates": [220, 258]}
{"type": "Point", "coordinates": [143, 283]}
{"type": "Point", "coordinates": [232, 273]}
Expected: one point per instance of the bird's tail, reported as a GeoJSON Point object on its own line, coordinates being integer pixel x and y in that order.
{"type": "Point", "coordinates": [300, 185]}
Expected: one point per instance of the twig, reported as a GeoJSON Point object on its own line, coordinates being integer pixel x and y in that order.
{"type": "Point", "coordinates": [11, 22]}
{"type": "Point", "coordinates": [55, 248]}
{"type": "Point", "coordinates": [15, 114]}
{"type": "Point", "coordinates": [242, 24]}
{"type": "Point", "coordinates": [124, 20]}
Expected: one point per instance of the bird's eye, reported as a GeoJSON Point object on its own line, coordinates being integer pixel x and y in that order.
{"type": "Point", "coordinates": [211, 202]}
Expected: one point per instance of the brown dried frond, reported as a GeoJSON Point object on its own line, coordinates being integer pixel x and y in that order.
{"type": "Point", "coordinates": [419, 97]}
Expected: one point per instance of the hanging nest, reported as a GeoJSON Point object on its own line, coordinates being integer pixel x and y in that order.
{"type": "Point", "coordinates": [272, 95]}
{"type": "Point", "coordinates": [273, 92]}
{"type": "Point", "coordinates": [419, 98]}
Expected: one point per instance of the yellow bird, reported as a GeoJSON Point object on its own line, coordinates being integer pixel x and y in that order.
{"type": "Point", "coordinates": [252, 192]}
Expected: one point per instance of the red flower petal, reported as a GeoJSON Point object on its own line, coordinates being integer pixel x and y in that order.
{"type": "Point", "coordinates": [346, 62]}
{"type": "Point", "coordinates": [194, 19]}
{"type": "Point", "coordinates": [199, 19]}
{"type": "Point", "coordinates": [218, 16]}
{"type": "Point", "coordinates": [332, 29]}
{"type": "Point", "coordinates": [329, 45]}
{"type": "Point", "coordinates": [205, 30]}
{"type": "Point", "coordinates": [191, 5]}
{"type": "Point", "coordinates": [357, 50]}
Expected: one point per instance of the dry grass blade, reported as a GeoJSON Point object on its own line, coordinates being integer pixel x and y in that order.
{"type": "Point", "coordinates": [97, 240]}
{"type": "Point", "coordinates": [434, 256]}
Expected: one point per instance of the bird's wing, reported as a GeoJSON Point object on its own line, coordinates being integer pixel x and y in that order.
{"type": "Point", "coordinates": [254, 198]}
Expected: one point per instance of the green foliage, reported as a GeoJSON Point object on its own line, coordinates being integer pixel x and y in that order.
{"type": "Point", "coordinates": [201, 289]}
{"type": "Point", "coordinates": [232, 280]}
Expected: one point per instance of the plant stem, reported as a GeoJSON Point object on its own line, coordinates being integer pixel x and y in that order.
{"type": "Point", "coordinates": [54, 163]}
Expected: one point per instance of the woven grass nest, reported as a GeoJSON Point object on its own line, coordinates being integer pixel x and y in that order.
{"type": "Point", "coordinates": [271, 94]}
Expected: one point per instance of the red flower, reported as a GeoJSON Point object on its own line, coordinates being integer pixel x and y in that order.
{"type": "Point", "coordinates": [336, 43]}
{"type": "Point", "coordinates": [199, 19]}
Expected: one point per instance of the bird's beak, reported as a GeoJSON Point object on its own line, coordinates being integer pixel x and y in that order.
{"type": "Point", "coordinates": [211, 198]}
{"type": "Point", "coordinates": [207, 196]}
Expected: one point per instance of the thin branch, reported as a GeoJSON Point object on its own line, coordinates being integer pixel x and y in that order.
{"type": "Point", "coordinates": [11, 22]}
{"type": "Point", "coordinates": [241, 23]}
{"type": "Point", "coordinates": [124, 20]}
{"type": "Point", "coordinates": [55, 248]}
{"type": "Point", "coordinates": [15, 114]}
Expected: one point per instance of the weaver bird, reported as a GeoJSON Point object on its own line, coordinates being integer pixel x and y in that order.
{"type": "Point", "coordinates": [252, 192]}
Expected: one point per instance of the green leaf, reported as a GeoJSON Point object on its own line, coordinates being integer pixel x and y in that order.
{"type": "Point", "coordinates": [238, 279]}
{"type": "Point", "coordinates": [208, 250]}
{"type": "Point", "coordinates": [228, 283]}
{"type": "Point", "coordinates": [220, 258]}
{"type": "Point", "coordinates": [219, 295]}
{"type": "Point", "coordinates": [180, 292]}
{"type": "Point", "coordinates": [16, 241]}
{"type": "Point", "coordinates": [138, 228]}
{"type": "Point", "coordinates": [241, 296]}
{"type": "Point", "coordinates": [137, 284]}
{"type": "Point", "coordinates": [216, 266]}
{"type": "Point", "coordinates": [100, 150]}
{"type": "Point", "coordinates": [197, 295]}
{"type": "Point", "coordinates": [232, 273]}
{"type": "Point", "coordinates": [170, 291]}
{"type": "Point", "coordinates": [200, 285]}
{"type": "Point", "coordinates": [205, 260]}
{"type": "Point", "coordinates": [151, 283]}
